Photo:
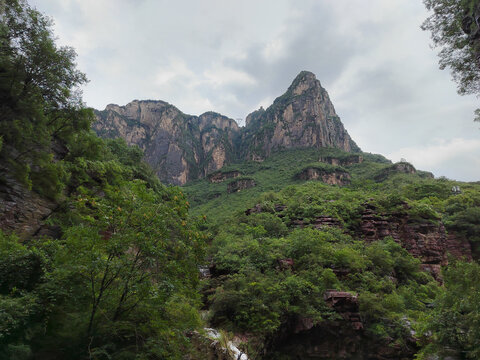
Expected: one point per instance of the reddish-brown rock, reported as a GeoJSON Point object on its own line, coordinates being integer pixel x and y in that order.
{"type": "Point", "coordinates": [240, 184]}
{"type": "Point", "coordinates": [343, 161]}
{"type": "Point", "coordinates": [21, 210]}
{"type": "Point", "coordinates": [218, 177]}
{"type": "Point", "coordinates": [336, 177]}
{"type": "Point", "coordinates": [425, 240]}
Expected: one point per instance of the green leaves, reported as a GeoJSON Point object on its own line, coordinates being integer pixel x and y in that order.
{"type": "Point", "coordinates": [454, 28]}
{"type": "Point", "coordinates": [455, 321]}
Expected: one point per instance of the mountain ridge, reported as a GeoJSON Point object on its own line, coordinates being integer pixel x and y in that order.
{"type": "Point", "coordinates": [182, 147]}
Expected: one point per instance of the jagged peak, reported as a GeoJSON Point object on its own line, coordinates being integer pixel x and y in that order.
{"type": "Point", "coordinates": [136, 102]}
{"type": "Point", "coordinates": [304, 76]}
{"type": "Point", "coordinates": [304, 81]}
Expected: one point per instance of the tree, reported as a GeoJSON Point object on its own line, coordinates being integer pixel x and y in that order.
{"type": "Point", "coordinates": [454, 325]}
{"type": "Point", "coordinates": [455, 27]}
{"type": "Point", "coordinates": [39, 101]}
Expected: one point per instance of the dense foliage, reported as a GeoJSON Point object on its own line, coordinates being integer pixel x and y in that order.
{"type": "Point", "coordinates": [120, 282]}
{"type": "Point", "coordinates": [454, 27]}
{"type": "Point", "coordinates": [455, 322]}
{"type": "Point", "coordinates": [116, 277]}
{"type": "Point", "coordinates": [40, 106]}
{"type": "Point", "coordinates": [272, 265]}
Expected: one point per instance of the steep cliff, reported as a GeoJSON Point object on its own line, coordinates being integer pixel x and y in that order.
{"type": "Point", "coordinates": [182, 147]}
{"type": "Point", "coordinates": [302, 117]}
{"type": "Point", "coordinates": [179, 147]}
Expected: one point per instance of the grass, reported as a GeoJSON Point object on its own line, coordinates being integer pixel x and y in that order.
{"type": "Point", "coordinates": [273, 174]}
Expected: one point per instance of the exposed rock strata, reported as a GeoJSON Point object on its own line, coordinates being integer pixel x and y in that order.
{"type": "Point", "coordinates": [179, 147]}
{"type": "Point", "coordinates": [219, 177]}
{"type": "Point", "coordinates": [239, 185]}
{"type": "Point", "coordinates": [425, 240]}
{"type": "Point", "coordinates": [182, 147]}
{"type": "Point", "coordinates": [343, 338]}
{"type": "Point", "coordinates": [336, 177]}
{"type": "Point", "coordinates": [346, 161]}
{"type": "Point", "coordinates": [302, 117]}
{"type": "Point", "coordinates": [21, 210]}
{"type": "Point", "coordinates": [397, 168]}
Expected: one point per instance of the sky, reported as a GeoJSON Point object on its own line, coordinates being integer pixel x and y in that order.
{"type": "Point", "coordinates": [233, 56]}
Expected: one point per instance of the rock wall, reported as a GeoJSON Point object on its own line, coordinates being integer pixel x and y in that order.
{"type": "Point", "coordinates": [182, 147]}
{"type": "Point", "coordinates": [337, 177]}
{"type": "Point", "coordinates": [343, 338]}
{"type": "Point", "coordinates": [424, 239]}
{"type": "Point", "coordinates": [179, 147]}
{"type": "Point", "coordinates": [21, 210]}
{"type": "Point", "coordinates": [219, 177]}
{"type": "Point", "coordinates": [345, 161]}
{"type": "Point", "coordinates": [239, 185]}
{"type": "Point", "coordinates": [302, 117]}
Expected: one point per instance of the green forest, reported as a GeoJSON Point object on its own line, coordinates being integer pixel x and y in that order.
{"type": "Point", "coordinates": [115, 272]}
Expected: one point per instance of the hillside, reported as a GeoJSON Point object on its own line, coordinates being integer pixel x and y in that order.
{"type": "Point", "coordinates": [286, 241]}
{"type": "Point", "coordinates": [367, 236]}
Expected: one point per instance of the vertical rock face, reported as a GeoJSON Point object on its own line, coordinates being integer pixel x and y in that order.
{"type": "Point", "coordinates": [179, 147]}
{"type": "Point", "coordinates": [425, 240]}
{"type": "Point", "coordinates": [21, 210]}
{"type": "Point", "coordinates": [302, 117]}
{"type": "Point", "coordinates": [182, 147]}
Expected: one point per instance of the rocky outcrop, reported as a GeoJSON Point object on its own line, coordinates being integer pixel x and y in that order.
{"type": "Point", "coordinates": [342, 338]}
{"type": "Point", "coordinates": [397, 168]}
{"type": "Point", "coordinates": [182, 147]}
{"type": "Point", "coordinates": [303, 117]}
{"type": "Point", "coordinates": [425, 240]}
{"type": "Point", "coordinates": [343, 161]}
{"type": "Point", "coordinates": [335, 177]}
{"type": "Point", "coordinates": [21, 210]}
{"type": "Point", "coordinates": [179, 147]}
{"type": "Point", "coordinates": [240, 184]}
{"type": "Point", "coordinates": [220, 176]}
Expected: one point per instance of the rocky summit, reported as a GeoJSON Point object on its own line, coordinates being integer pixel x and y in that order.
{"type": "Point", "coordinates": [183, 147]}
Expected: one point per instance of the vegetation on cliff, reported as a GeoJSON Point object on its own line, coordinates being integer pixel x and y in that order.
{"type": "Point", "coordinates": [112, 273]}
{"type": "Point", "coordinates": [115, 271]}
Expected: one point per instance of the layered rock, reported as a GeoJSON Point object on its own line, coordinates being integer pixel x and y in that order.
{"type": "Point", "coordinates": [21, 210]}
{"type": "Point", "coordinates": [303, 117]}
{"type": "Point", "coordinates": [343, 338]}
{"type": "Point", "coordinates": [218, 177]}
{"type": "Point", "coordinates": [397, 168]}
{"type": "Point", "coordinates": [425, 240]}
{"type": "Point", "coordinates": [179, 147]}
{"type": "Point", "coordinates": [182, 147]}
{"type": "Point", "coordinates": [344, 161]}
{"type": "Point", "coordinates": [240, 184]}
{"type": "Point", "coordinates": [335, 177]}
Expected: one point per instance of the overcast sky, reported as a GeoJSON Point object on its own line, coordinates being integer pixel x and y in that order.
{"type": "Point", "coordinates": [233, 56]}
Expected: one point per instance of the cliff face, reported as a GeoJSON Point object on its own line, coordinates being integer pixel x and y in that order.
{"type": "Point", "coordinates": [302, 117]}
{"type": "Point", "coordinates": [182, 147]}
{"type": "Point", "coordinates": [179, 147]}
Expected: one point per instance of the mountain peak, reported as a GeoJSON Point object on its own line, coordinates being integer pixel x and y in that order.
{"type": "Point", "coordinates": [304, 76]}
{"type": "Point", "coordinates": [304, 81]}
{"type": "Point", "coordinates": [182, 147]}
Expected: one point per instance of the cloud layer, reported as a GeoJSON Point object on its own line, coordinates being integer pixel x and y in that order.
{"type": "Point", "coordinates": [233, 56]}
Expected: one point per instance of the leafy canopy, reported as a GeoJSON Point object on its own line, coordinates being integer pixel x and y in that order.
{"type": "Point", "coordinates": [454, 26]}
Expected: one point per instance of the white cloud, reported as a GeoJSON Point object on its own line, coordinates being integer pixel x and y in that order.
{"type": "Point", "coordinates": [219, 75]}
{"type": "Point", "coordinates": [442, 157]}
{"type": "Point", "coordinates": [233, 56]}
